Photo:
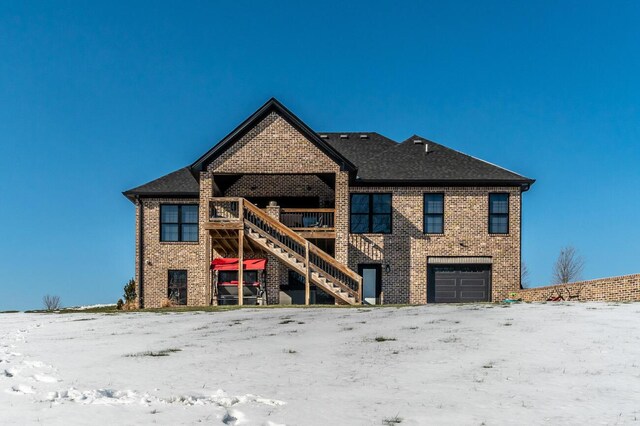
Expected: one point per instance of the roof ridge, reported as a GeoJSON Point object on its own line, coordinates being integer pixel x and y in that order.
{"type": "Point", "coordinates": [470, 156]}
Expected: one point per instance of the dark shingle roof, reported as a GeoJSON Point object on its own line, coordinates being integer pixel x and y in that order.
{"type": "Point", "coordinates": [180, 183]}
{"type": "Point", "coordinates": [375, 158]}
{"type": "Point", "coordinates": [355, 147]}
{"type": "Point", "coordinates": [408, 161]}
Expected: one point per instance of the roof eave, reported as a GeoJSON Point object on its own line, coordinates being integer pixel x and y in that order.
{"type": "Point", "coordinates": [524, 183]}
{"type": "Point", "coordinates": [132, 195]}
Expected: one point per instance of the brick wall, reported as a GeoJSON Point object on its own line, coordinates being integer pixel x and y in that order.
{"type": "Point", "coordinates": [273, 146]}
{"type": "Point", "coordinates": [279, 185]}
{"type": "Point", "coordinates": [158, 257]}
{"type": "Point", "coordinates": [288, 163]}
{"type": "Point", "coordinates": [625, 288]}
{"type": "Point", "coordinates": [465, 234]}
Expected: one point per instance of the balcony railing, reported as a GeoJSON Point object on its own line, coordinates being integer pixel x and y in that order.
{"type": "Point", "coordinates": [224, 209]}
{"type": "Point", "coordinates": [308, 219]}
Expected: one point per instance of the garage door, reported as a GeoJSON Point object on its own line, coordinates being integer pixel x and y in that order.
{"type": "Point", "coordinates": [459, 283]}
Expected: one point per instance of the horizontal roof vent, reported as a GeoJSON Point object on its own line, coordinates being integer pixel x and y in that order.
{"type": "Point", "coordinates": [344, 136]}
{"type": "Point", "coordinates": [364, 136]}
{"type": "Point", "coordinates": [324, 136]}
{"type": "Point", "coordinates": [418, 141]}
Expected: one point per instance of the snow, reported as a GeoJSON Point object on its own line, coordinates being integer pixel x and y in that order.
{"type": "Point", "coordinates": [85, 307]}
{"type": "Point", "coordinates": [444, 364]}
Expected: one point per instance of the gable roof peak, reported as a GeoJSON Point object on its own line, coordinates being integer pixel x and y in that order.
{"type": "Point", "coordinates": [272, 105]}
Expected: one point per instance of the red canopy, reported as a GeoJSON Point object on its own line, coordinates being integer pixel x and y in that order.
{"type": "Point", "coordinates": [231, 264]}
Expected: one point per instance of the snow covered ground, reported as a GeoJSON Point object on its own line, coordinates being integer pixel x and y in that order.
{"type": "Point", "coordinates": [470, 364]}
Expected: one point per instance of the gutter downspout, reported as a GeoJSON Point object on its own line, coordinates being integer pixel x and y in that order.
{"type": "Point", "coordinates": [520, 266]}
{"type": "Point", "coordinates": [140, 253]}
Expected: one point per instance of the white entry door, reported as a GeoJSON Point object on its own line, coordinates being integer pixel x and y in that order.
{"type": "Point", "coordinates": [370, 283]}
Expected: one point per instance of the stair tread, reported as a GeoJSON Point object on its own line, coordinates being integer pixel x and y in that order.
{"type": "Point", "coordinates": [287, 257]}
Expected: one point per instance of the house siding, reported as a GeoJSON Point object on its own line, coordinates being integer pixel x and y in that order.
{"type": "Point", "coordinates": [466, 234]}
{"type": "Point", "coordinates": [159, 257]}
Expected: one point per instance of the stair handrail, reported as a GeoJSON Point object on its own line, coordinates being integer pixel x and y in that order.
{"type": "Point", "coordinates": [357, 294]}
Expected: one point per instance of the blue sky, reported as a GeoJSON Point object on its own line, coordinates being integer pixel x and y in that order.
{"type": "Point", "coordinates": [99, 98]}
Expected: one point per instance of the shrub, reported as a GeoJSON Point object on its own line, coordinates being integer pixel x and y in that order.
{"type": "Point", "coordinates": [167, 303]}
{"type": "Point", "coordinates": [384, 339]}
{"type": "Point", "coordinates": [119, 304]}
{"type": "Point", "coordinates": [130, 291]}
{"type": "Point", "coordinates": [51, 303]}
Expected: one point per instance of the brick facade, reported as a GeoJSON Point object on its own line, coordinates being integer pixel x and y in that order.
{"type": "Point", "coordinates": [160, 257]}
{"type": "Point", "coordinates": [625, 288]}
{"type": "Point", "coordinates": [277, 160]}
{"type": "Point", "coordinates": [466, 234]}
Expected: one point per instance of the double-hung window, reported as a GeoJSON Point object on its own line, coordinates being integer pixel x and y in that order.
{"type": "Point", "coordinates": [498, 213]}
{"type": "Point", "coordinates": [370, 214]}
{"type": "Point", "coordinates": [179, 222]}
{"type": "Point", "coordinates": [434, 213]}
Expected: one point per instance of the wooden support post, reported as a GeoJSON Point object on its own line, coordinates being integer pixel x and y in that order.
{"type": "Point", "coordinates": [360, 290]}
{"type": "Point", "coordinates": [240, 267]}
{"type": "Point", "coordinates": [207, 269]}
{"type": "Point", "coordinates": [307, 274]}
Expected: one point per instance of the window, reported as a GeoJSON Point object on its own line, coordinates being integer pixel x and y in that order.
{"type": "Point", "coordinates": [177, 292]}
{"type": "Point", "coordinates": [498, 213]}
{"type": "Point", "coordinates": [179, 222]}
{"type": "Point", "coordinates": [370, 213]}
{"type": "Point", "coordinates": [434, 213]}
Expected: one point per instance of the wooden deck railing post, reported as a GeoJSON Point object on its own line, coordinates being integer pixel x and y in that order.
{"type": "Point", "coordinates": [307, 275]}
{"type": "Point", "coordinates": [343, 280]}
{"type": "Point", "coordinates": [240, 267]}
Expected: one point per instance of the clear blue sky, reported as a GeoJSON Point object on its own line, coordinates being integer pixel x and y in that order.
{"type": "Point", "coordinates": [99, 98]}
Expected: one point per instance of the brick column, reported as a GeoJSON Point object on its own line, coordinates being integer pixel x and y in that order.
{"type": "Point", "coordinates": [341, 220]}
{"type": "Point", "coordinates": [202, 287]}
{"type": "Point", "coordinates": [276, 271]}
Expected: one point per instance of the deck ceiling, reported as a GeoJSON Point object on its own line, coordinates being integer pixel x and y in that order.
{"type": "Point", "coordinates": [225, 243]}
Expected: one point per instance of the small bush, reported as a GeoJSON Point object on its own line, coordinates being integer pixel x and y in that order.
{"type": "Point", "coordinates": [130, 291]}
{"type": "Point", "coordinates": [163, 352]}
{"type": "Point", "coordinates": [392, 421]}
{"type": "Point", "coordinates": [167, 303]}
{"type": "Point", "coordinates": [384, 339]}
{"type": "Point", "coordinates": [51, 303]}
{"type": "Point", "coordinates": [119, 304]}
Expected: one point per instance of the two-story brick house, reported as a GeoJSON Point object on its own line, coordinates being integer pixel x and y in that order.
{"type": "Point", "coordinates": [344, 217]}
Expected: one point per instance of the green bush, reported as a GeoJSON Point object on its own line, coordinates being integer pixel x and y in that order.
{"type": "Point", "coordinates": [130, 291]}
{"type": "Point", "coordinates": [119, 304]}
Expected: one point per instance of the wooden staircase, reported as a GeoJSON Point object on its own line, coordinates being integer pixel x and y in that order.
{"type": "Point", "coordinates": [229, 215]}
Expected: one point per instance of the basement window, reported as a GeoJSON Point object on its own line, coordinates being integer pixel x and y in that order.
{"type": "Point", "coordinates": [179, 222]}
{"type": "Point", "coordinates": [370, 214]}
{"type": "Point", "coordinates": [177, 288]}
{"type": "Point", "coordinates": [499, 213]}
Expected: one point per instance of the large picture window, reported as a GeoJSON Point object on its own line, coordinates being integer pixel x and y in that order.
{"type": "Point", "coordinates": [370, 214]}
{"type": "Point", "coordinates": [179, 222]}
{"type": "Point", "coordinates": [434, 213]}
{"type": "Point", "coordinates": [177, 291]}
{"type": "Point", "coordinates": [498, 213]}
